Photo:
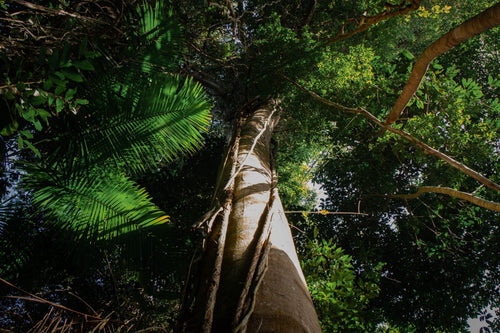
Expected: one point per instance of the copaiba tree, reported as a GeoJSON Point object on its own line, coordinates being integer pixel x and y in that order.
{"type": "Point", "coordinates": [259, 59]}
{"type": "Point", "coordinates": [289, 67]}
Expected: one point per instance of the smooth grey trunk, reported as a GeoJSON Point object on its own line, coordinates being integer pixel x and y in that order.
{"type": "Point", "coordinates": [249, 278]}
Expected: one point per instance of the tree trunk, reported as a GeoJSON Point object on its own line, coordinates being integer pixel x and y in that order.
{"type": "Point", "coordinates": [249, 277]}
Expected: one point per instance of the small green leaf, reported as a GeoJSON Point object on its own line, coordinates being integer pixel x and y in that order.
{"type": "Point", "coordinates": [477, 93]}
{"type": "Point", "coordinates": [29, 114]}
{"type": "Point", "coordinates": [58, 81]}
{"type": "Point", "coordinates": [69, 94]}
{"type": "Point", "coordinates": [47, 84]}
{"type": "Point", "coordinates": [44, 114]}
{"type": "Point", "coordinates": [59, 90]}
{"type": "Point", "coordinates": [59, 105]}
{"type": "Point", "coordinates": [37, 100]}
{"type": "Point", "coordinates": [73, 76]}
{"type": "Point", "coordinates": [27, 134]}
{"type": "Point", "coordinates": [37, 124]}
{"type": "Point", "coordinates": [60, 75]}
{"type": "Point", "coordinates": [420, 104]}
{"type": "Point", "coordinates": [437, 66]}
{"type": "Point", "coordinates": [408, 54]}
{"type": "Point", "coordinates": [33, 148]}
{"type": "Point", "coordinates": [84, 64]}
{"type": "Point", "coordinates": [67, 64]}
{"type": "Point", "coordinates": [50, 99]}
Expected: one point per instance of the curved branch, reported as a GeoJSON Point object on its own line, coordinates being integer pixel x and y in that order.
{"type": "Point", "coordinates": [364, 22]}
{"type": "Point", "coordinates": [54, 11]}
{"type": "Point", "coordinates": [474, 26]}
{"type": "Point", "coordinates": [428, 149]}
{"type": "Point", "coordinates": [451, 192]}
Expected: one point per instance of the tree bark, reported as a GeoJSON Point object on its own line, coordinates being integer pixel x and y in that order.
{"type": "Point", "coordinates": [249, 277]}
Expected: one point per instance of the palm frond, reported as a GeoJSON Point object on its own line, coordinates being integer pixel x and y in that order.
{"type": "Point", "coordinates": [135, 119]}
{"type": "Point", "coordinates": [96, 204]}
{"type": "Point", "coordinates": [157, 37]}
{"type": "Point", "coordinates": [140, 124]}
{"type": "Point", "coordinates": [6, 211]}
{"type": "Point", "coordinates": [15, 240]}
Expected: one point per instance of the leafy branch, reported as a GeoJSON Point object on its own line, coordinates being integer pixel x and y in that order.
{"type": "Point", "coordinates": [428, 149]}
{"type": "Point", "coordinates": [485, 20]}
{"type": "Point", "coordinates": [363, 23]}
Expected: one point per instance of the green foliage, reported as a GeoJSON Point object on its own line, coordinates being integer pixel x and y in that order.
{"type": "Point", "coordinates": [340, 297]}
{"type": "Point", "coordinates": [125, 128]}
{"type": "Point", "coordinates": [31, 104]}
{"type": "Point", "coordinates": [157, 37]}
{"type": "Point", "coordinates": [281, 50]}
{"type": "Point", "coordinates": [138, 121]}
{"type": "Point", "coordinates": [342, 70]}
{"type": "Point", "coordinates": [131, 119]}
{"type": "Point", "coordinates": [97, 203]}
{"type": "Point", "coordinates": [440, 253]}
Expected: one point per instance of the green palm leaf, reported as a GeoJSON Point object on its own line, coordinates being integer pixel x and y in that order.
{"type": "Point", "coordinates": [135, 119]}
{"type": "Point", "coordinates": [151, 119]}
{"type": "Point", "coordinates": [157, 37]}
{"type": "Point", "coordinates": [95, 203]}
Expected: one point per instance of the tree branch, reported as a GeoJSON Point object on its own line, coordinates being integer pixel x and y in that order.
{"type": "Point", "coordinates": [365, 22]}
{"type": "Point", "coordinates": [310, 13]}
{"type": "Point", "coordinates": [451, 192]}
{"type": "Point", "coordinates": [428, 149]}
{"type": "Point", "coordinates": [476, 25]}
{"type": "Point", "coordinates": [35, 298]}
{"type": "Point", "coordinates": [53, 11]}
{"type": "Point", "coordinates": [324, 212]}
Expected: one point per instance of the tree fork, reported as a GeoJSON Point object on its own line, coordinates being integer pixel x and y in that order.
{"type": "Point", "coordinates": [249, 278]}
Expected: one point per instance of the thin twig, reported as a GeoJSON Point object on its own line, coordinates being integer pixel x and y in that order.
{"type": "Point", "coordinates": [53, 11]}
{"type": "Point", "coordinates": [41, 300]}
{"type": "Point", "coordinates": [324, 212]}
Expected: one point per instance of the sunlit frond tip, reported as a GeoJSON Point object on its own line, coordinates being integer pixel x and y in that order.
{"type": "Point", "coordinates": [95, 207]}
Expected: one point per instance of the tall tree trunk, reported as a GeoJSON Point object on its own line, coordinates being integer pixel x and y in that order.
{"type": "Point", "coordinates": [249, 277]}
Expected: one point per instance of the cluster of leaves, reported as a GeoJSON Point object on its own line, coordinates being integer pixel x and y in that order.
{"type": "Point", "coordinates": [109, 123]}
{"type": "Point", "coordinates": [135, 120]}
{"type": "Point", "coordinates": [43, 66]}
{"type": "Point", "coordinates": [465, 120]}
{"type": "Point", "coordinates": [340, 297]}
{"type": "Point", "coordinates": [35, 102]}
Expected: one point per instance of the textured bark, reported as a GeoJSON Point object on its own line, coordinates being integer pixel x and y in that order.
{"type": "Point", "coordinates": [249, 278]}
{"type": "Point", "coordinates": [476, 25]}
